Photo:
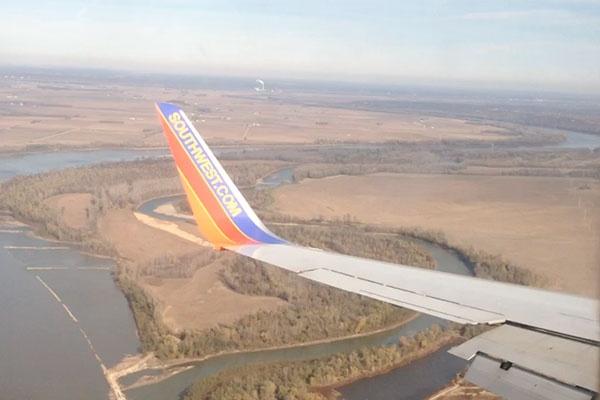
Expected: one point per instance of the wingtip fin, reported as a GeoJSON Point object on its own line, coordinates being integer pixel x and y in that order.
{"type": "Point", "coordinates": [223, 215]}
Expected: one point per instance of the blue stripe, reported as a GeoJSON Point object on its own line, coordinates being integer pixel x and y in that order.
{"type": "Point", "coordinates": [210, 173]}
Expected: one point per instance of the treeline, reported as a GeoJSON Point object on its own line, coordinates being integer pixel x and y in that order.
{"type": "Point", "coordinates": [153, 335]}
{"type": "Point", "coordinates": [495, 267]}
{"type": "Point", "coordinates": [558, 162]}
{"type": "Point", "coordinates": [317, 171]}
{"type": "Point", "coordinates": [112, 185]}
{"type": "Point", "coordinates": [301, 380]}
{"type": "Point", "coordinates": [578, 117]}
{"type": "Point", "coordinates": [313, 311]}
{"type": "Point", "coordinates": [574, 163]}
{"type": "Point", "coordinates": [483, 264]}
{"type": "Point", "coordinates": [170, 266]}
{"type": "Point", "coordinates": [258, 198]}
{"type": "Point", "coordinates": [352, 239]}
{"type": "Point", "coordinates": [317, 311]}
{"type": "Point", "coordinates": [432, 158]}
{"type": "Point", "coordinates": [360, 154]}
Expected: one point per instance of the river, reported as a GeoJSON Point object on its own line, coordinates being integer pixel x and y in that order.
{"type": "Point", "coordinates": [576, 140]}
{"type": "Point", "coordinates": [43, 352]}
{"type": "Point", "coordinates": [34, 163]}
{"type": "Point", "coordinates": [51, 295]}
{"type": "Point", "coordinates": [417, 380]}
{"type": "Point", "coordinates": [41, 162]}
{"type": "Point", "coordinates": [445, 368]}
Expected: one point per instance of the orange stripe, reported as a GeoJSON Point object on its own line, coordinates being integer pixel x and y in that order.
{"type": "Point", "coordinates": [207, 226]}
{"type": "Point", "coordinates": [202, 188]}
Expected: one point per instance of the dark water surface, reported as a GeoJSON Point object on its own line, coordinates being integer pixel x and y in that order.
{"type": "Point", "coordinates": [416, 380]}
{"type": "Point", "coordinates": [577, 140]}
{"type": "Point", "coordinates": [43, 354]}
{"type": "Point", "coordinates": [35, 163]}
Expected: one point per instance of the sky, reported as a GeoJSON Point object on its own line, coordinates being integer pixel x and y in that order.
{"type": "Point", "coordinates": [553, 44]}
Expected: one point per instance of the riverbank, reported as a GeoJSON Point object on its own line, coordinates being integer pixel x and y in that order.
{"type": "Point", "coordinates": [111, 197]}
{"type": "Point", "coordinates": [329, 340]}
{"type": "Point", "coordinates": [4, 153]}
{"type": "Point", "coordinates": [86, 320]}
{"type": "Point", "coordinates": [315, 377]}
{"type": "Point", "coordinates": [166, 378]}
{"type": "Point", "coordinates": [180, 366]}
{"type": "Point", "coordinates": [185, 370]}
{"type": "Point", "coordinates": [292, 347]}
{"type": "Point", "coordinates": [571, 139]}
{"type": "Point", "coordinates": [332, 393]}
{"type": "Point", "coordinates": [182, 363]}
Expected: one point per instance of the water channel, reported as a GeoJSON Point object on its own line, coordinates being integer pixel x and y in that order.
{"type": "Point", "coordinates": [43, 353]}
{"type": "Point", "coordinates": [446, 365]}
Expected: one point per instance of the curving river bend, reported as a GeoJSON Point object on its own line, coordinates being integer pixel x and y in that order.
{"type": "Point", "coordinates": [44, 355]}
{"type": "Point", "coordinates": [436, 370]}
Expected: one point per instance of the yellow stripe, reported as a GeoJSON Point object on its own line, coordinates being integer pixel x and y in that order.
{"type": "Point", "coordinates": [205, 223]}
{"type": "Point", "coordinates": [203, 178]}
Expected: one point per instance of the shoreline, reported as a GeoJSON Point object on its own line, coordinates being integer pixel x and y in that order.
{"type": "Point", "coordinates": [183, 361]}
{"type": "Point", "coordinates": [75, 245]}
{"type": "Point", "coordinates": [331, 392]}
{"type": "Point", "coordinates": [21, 153]}
{"type": "Point", "coordinates": [173, 367]}
{"type": "Point", "coordinates": [115, 392]}
{"type": "Point", "coordinates": [5, 153]}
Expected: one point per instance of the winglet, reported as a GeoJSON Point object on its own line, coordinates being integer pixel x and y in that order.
{"type": "Point", "coordinates": [223, 215]}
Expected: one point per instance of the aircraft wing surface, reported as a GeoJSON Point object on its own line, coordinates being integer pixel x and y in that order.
{"type": "Point", "coordinates": [546, 345]}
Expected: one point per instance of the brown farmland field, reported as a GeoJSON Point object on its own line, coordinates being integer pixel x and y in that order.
{"type": "Point", "coordinates": [199, 302]}
{"type": "Point", "coordinates": [74, 208]}
{"type": "Point", "coordinates": [549, 225]}
{"type": "Point", "coordinates": [94, 115]}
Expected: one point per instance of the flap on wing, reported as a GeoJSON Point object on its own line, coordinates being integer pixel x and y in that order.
{"type": "Point", "coordinates": [547, 357]}
{"type": "Point", "coordinates": [403, 298]}
{"type": "Point", "coordinates": [518, 384]}
{"type": "Point", "coordinates": [458, 298]}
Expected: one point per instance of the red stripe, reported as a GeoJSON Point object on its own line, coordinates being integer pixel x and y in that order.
{"type": "Point", "coordinates": [203, 190]}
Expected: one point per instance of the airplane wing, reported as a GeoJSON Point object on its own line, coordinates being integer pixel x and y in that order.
{"type": "Point", "coordinates": [546, 344]}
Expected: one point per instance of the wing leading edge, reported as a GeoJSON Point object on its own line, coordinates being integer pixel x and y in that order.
{"type": "Point", "coordinates": [226, 219]}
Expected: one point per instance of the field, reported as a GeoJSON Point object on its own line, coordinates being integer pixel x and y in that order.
{"type": "Point", "coordinates": [520, 200]}
{"type": "Point", "coordinates": [549, 225]}
{"type": "Point", "coordinates": [38, 115]}
{"type": "Point", "coordinates": [74, 208]}
{"type": "Point", "coordinates": [199, 302]}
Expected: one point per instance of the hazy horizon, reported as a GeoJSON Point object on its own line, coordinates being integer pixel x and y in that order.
{"type": "Point", "coordinates": [540, 45]}
{"type": "Point", "coordinates": [247, 81]}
